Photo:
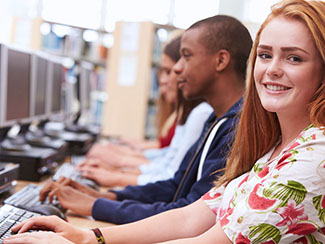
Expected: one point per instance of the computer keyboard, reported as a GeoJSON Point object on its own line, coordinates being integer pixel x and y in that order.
{"type": "Point", "coordinates": [28, 198]}
{"type": "Point", "coordinates": [69, 171]}
{"type": "Point", "coordinates": [11, 216]}
{"type": "Point", "coordinates": [77, 159]}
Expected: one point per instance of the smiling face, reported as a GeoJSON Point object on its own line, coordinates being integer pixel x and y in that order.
{"type": "Point", "coordinates": [196, 67]}
{"type": "Point", "coordinates": [288, 68]}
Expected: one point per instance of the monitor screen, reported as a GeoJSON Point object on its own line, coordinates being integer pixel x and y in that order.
{"type": "Point", "coordinates": [56, 87]}
{"type": "Point", "coordinates": [2, 88]}
{"type": "Point", "coordinates": [39, 82]}
{"type": "Point", "coordinates": [85, 87]}
{"type": "Point", "coordinates": [18, 86]}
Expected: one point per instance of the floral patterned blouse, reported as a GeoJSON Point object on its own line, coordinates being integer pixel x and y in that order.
{"type": "Point", "coordinates": [280, 200]}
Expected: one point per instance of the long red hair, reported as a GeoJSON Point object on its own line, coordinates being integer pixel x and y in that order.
{"type": "Point", "coordinates": [258, 130]}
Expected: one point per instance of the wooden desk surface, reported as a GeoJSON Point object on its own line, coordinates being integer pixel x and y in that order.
{"type": "Point", "coordinates": [74, 219]}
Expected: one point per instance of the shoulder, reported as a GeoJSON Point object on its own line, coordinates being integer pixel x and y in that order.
{"type": "Point", "coordinates": [311, 137]}
{"type": "Point", "coordinates": [202, 108]}
{"type": "Point", "coordinates": [199, 115]}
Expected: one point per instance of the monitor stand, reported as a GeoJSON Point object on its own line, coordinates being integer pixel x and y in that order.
{"type": "Point", "coordinates": [78, 127]}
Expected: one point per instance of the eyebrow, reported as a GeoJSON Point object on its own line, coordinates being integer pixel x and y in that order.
{"type": "Point", "coordinates": [286, 49]}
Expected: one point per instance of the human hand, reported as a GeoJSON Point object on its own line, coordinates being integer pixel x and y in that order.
{"type": "Point", "coordinates": [100, 149]}
{"type": "Point", "coordinates": [67, 182]}
{"type": "Point", "coordinates": [51, 185]}
{"type": "Point", "coordinates": [41, 237]}
{"type": "Point", "coordinates": [95, 162]}
{"type": "Point", "coordinates": [116, 157]}
{"type": "Point", "coordinates": [102, 176]}
{"type": "Point", "coordinates": [69, 197]}
{"type": "Point", "coordinates": [49, 223]}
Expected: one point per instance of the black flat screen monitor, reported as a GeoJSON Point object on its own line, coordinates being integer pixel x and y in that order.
{"type": "Point", "coordinates": [85, 86]}
{"type": "Point", "coordinates": [39, 86]}
{"type": "Point", "coordinates": [54, 90]}
{"type": "Point", "coordinates": [57, 87]}
{"type": "Point", "coordinates": [2, 78]}
{"type": "Point", "coordinates": [16, 87]}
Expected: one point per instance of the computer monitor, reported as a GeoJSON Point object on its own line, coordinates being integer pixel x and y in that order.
{"type": "Point", "coordinates": [39, 73]}
{"type": "Point", "coordinates": [2, 78]}
{"type": "Point", "coordinates": [85, 86]}
{"type": "Point", "coordinates": [54, 90]}
{"type": "Point", "coordinates": [15, 86]}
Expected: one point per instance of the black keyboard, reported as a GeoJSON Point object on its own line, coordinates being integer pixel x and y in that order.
{"type": "Point", "coordinates": [11, 216]}
{"type": "Point", "coordinates": [28, 198]}
{"type": "Point", "coordinates": [68, 170]}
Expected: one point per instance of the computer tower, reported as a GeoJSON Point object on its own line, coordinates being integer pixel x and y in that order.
{"type": "Point", "coordinates": [35, 164]}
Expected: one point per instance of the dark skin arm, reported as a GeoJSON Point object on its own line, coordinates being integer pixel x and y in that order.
{"type": "Point", "coordinates": [73, 196]}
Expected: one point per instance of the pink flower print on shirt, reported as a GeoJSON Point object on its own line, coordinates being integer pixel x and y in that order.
{"type": "Point", "coordinates": [213, 197]}
{"type": "Point", "coordinates": [295, 219]}
{"type": "Point", "coordinates": [225, 213]}
{"type": "Point", "coordinates": [224, 219]}
{"type": "Point", "coordinates": [240, 239]}
{"type": "Point", "coordinates": [291, 214]}
{"type": "Point", "coordinates": [209, 196]}
{"type": "Point", "coordinates": [288, 156]}
{"type": "Point", "coordinates": [264, 172]}
{"type": "Point", "coordinates": [259, 202]}
{"type": "Point", "coordinates": [292, 146]}
{"type": "Point", "coordinates": [244, 180]}
{"type": "Point", "coordinates": [282, 162]}
{"type": "Point", "coordinates": [303, 229]}
{"type": "Point", "coordinates": [302, 240]}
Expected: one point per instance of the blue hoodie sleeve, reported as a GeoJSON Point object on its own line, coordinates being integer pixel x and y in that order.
{"type": "Point", "coordinates": [138, 202]}
{"type": "Point", "coordinates": [155, 198]}
{"type": "Point", "coordinates": [160, 190]}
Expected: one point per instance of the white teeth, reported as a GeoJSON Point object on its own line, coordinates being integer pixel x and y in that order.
{"type": "Point", "coordinates": [276, 88]}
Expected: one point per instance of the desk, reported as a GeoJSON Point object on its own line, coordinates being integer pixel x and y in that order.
{"type": "Point", "coordinates": [74, 219]}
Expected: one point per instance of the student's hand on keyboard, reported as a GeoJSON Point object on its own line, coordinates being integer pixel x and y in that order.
{"type": "Point", "coordinates": [68, 182]}
{"type": "Point", "coordinates": [95, 162]}
{"type": "Point", "coordinates": [105, 177]}
{"type": "Point", "coordinates": [112, 159]}
{"type": "Point", "coordinates": [42, 237]}
{"type": "Point", "coordinates": [69, 198]}
{"type": "Point", "coordinates": [60, 232]}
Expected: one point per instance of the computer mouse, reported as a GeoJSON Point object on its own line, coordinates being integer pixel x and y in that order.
{"type": "Point", "coordinates": [48, 209]}
{"type": "Point", "coordinates": [89, 183]}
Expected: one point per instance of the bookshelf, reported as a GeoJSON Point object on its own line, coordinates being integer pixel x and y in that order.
{"type": "Point", "coordinates": [132, 85]}
{"type": "Point", "coordinates": [72, 43]}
